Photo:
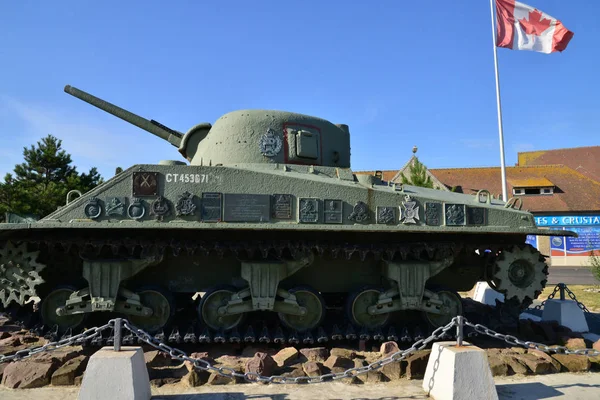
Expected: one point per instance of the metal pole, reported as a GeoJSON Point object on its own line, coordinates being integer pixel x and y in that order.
{"type": "Point", "coordinates": [117, 343]}
{"type": "Point", "coordinates": [561, 286]}
{"type": "Point", "coordinates": [500, 132]}
{"type": "Point", "coordinates": [459, 330]}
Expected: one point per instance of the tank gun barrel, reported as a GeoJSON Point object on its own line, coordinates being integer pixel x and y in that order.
{"type": "Point", "coordinates": [151, 126]}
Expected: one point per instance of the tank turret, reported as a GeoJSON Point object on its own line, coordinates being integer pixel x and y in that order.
{"type": "Point", "coordinates": [248, 137]}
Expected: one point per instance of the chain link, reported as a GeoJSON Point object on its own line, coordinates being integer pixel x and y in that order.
{"type": "Point", "coordinates": [52, 346]}
{"type": "Point", "coordinates": [254, 377]}
{"type": "Point", "coordinates": [571, 296]}
{"type": "Point", "coordinates": [528, 344]}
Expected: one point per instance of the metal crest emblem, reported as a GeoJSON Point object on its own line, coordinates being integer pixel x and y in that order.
{"type": "Point", "coordinates": [93, 208]}
{"type": "Point", "coordinates": [185, 204]}
{"type": "Point", "coordinates": [410, 215]}
{"type": "Point", "coordinates": [270, 143]}
{"type": "Point", "coordinates": [360, 212]}
{"type": "Point", "coordinates": [160, 208]}
{"type": "Point", "coordinates": [115, 206]}
{"type": "Point", "coordinates": [385, 215]}
{"type": "Point", "coordinates": [136, 209]}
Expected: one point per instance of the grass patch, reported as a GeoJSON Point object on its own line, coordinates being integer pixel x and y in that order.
{"type": "Point", "coordinates": [589, 295]}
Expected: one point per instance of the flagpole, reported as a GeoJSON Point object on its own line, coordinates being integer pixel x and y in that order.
{"type": "Point", "coordinates": [502, 165]}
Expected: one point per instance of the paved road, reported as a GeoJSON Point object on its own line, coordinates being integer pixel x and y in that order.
{"type": "Point", "coordinates": [571, 276]}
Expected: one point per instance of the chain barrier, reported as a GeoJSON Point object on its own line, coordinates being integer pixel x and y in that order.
{"type": "Point", "coordinates": [77, 339]}
{"type": "Point", "coordinates": [562, 288]}
{"type": "Point", "coordinates": [254, 377]}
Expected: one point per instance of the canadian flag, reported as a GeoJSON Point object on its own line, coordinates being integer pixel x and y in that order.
{"type": "Point", "coordinates": [522, 27]}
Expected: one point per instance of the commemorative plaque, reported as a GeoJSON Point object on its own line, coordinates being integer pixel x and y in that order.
{"type": "Point", "coordinates": [282, 206]}
{"type": "Point", "coordinates": [332, 212]}
{"type": "Point", "coordinates": [433, 214]}
{"type": "Point", "coordinates": [145, 183]}
{"type": "Point", "coordinates": [211, 207]}
{"type": "Point", "coordinates": [246, 207]}
{"type": "Point", "coordinates": [455, 214]}
{"type": "Point", "coordinates": [308, 211]}
{"type": "Point", "coordinates": [475, 216]}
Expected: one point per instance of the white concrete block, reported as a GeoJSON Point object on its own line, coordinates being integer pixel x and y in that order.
{"type": "Point", "coordinates": [457, 373]}
{"type": "Point", "coordinates": [567, 313]}
{"type": "Point", "coordinates": [116, 375]}
{"type": "Point", "coordinates": [486, 295]}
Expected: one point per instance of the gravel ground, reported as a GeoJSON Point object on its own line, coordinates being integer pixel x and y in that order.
{"type": "Point", "coordinates": [572, 386]}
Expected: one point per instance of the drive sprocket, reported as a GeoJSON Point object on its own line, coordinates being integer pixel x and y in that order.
{"type": "Point", "coordinates": [520, 273]}
{"type": "Point", "coordinates": [19, 273]}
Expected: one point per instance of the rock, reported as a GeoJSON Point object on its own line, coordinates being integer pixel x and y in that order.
{"type": "Point", "coordinates": [346, 353]}
{"type": "Point", "coordinates": [177, 372]}
{"type": "Point", "coordinates": [312, 368]}
{"type": "Point", "coordinates": [393, 371]}
{"type": "Point", "coordinates": [575, 343]}
{"type": "Point", "coordinates": [251, 351]}
{"type": "Point", "coordinates": [286, 356]}
{"type": "Point", "coordinates": [2, 367]}
{"type": "Point", "coordinates": [294, 372]}
{"type": "Point", "coordinates": [416, 364]}
{"type": "Point", "coordinates": [27, 374]}
{"type": "Point", "coordinates": [540, 354]}
{"type": "Point", "coordinates": [594, 364]}
{"type": "Point", "coordinates": [573, 362]}
{"type": "Point", "coordinates": [261, 364]}
{"type": "Point", "coordinates": [388, 347]}
{"type": "Point", "coordinates": [498, 366]}
{"type": "Point", "coordinates": [537, 365]}
{"type": "Point", "coordinates": [596, 345]}
{"type": "Point", "coordinates": [367, 377]}
{"type": "Point", "coordinates": [232, 361]}
{"type": "Point", "coordinates": [60, 356]}
{"type": "Point", "coordinates": [338, 362]}
{"type": "Point", "coordinates": [518, 350]}
{"type": "Point", "coordinates": [319, 354]}
{"type": "Point", "coordinates": [218, 379]}
{"type": "Point", "coordinates": [369, 356]}
{"type": "Point", "coordinates": [515, 365]}
{"type": "Point", "coordinates": [29, 338]}
{"type": "Point", "coordinates": [65, 375]}
{"type": "Point", "coordinates": [155, 358]}
{"type": "Point", "coordinates": [4, 335]}
{"type": "Point", "coordinates": [195, 378]}
{"type": "Point", "coordinates": [77, 381]}
{"type": "Point", "coordinates": [163, 381]}
{"type": "Point", "coordinates": [10, 341]}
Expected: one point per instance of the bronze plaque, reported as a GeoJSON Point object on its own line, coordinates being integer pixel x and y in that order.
{"type": "Point", "coordinates": [145, 183]}
{"type": "Point", "coordinates": [211, 207]}
{"type": "Point", "coordinates": [281, 206]}
{"type": "Point", "coordinates": [246, 207]}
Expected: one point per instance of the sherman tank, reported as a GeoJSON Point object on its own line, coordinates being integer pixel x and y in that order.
{"type": "Point", "coordinates": [262, 224]}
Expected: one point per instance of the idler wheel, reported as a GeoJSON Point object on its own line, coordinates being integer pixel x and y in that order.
{"type": "Point", "coordinates": [358, 304]}
{"type": "Point", "coordinates": [452, 307]}
{"type": "Point", "coordinates": [163, 308]}
{"type": "Point", "coordinates": [208, 309]}
{"type": "Point", "coordinates": [55, 299]}
{"type": "Point", "coordinates": [314, 303]}
{"type": "Point", "coordinates": [520, 273]}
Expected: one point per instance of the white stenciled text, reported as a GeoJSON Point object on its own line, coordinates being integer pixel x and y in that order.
{"type": "Point", "coordinates": [187, 178]}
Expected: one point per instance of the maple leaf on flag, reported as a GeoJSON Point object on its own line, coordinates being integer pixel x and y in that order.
{"type": "Point", "coordinates": [535, 25]}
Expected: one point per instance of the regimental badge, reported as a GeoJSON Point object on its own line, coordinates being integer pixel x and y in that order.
{"type": "Point", "coordinates": [160, 208]}
{"type": "Point", "coordinates": [93, 209]}
{"type": "Point", "coordinates": [476, 216]}
{"type": "Point", "coordinates": [270, 143]}
{"type": "Point", "coordinates": [332, 211]}
{"type": "Point", "coordinates": [145, 183]}
{"type": "Point", "coordinates": [410, 214]}
{"type": "Point", "coordinates": [433, 214]}
{"type": "Point", "coordinates": [360, 212]}
{"type": "Point", "coordinates": [385, 215]}
{"type": "Point", "coordinates": [308, 211]}
{"type": "Point", "coordinates": [455, 214]}
{"type": "Point", "coordinates": [136, 209]}
{"type": "Point", "coordinates": [115, 206]}
{"type": "Point", "coordinates": [185, 204]}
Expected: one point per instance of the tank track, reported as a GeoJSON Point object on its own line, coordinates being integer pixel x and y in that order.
{"type": "Point", "coordinates": [337, 331]}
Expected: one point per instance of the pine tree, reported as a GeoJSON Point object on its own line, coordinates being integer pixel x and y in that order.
{"type": "Point", "coordinates": [40, 184]}
{"type": "Point", "coordinates": [418, 175]}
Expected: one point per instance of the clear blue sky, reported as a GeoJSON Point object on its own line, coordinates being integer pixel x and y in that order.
{"type": "Point", "coordinates": [399, 73]}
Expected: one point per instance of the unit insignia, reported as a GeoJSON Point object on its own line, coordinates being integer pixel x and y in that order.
{"type": "Point", "coordinates": [145, 183]}
{"type": "Point", "coordinates": [136, 209]}
{"type": "Point", "coordinates": [386, 215]}
{"type": "Point", "coordinates": [270, 143]}
{"type": "Point", "coordinates": [433, 214]}
{"type": "Point", "coordinates": [185, 204]}
{"type": "Point", "coordinates": [93, 209]}
{"type": "Point", "coordinates": [282, 206]}
{"type": "Point", "coordinates": [455, 214]}
{"type": "Point", "coordinates": [332, 211]}
{"type": "Point", "coordinates": [360, 212]}
{"type": "Point", "coordinates": [308, 210]}
{"type": "Point", "coordinates": [410, 215]}
{"type": "Point", "coordinates": [115, 206]}
{"type": "Point", "coordinates": [475, 216]}
{"type": "Point", "coordinates": [160, 208]}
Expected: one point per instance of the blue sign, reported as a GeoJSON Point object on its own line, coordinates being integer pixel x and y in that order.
{"type": "Point", "coordinates": [532, 240]}
{"type": "Point", "coordinates": [568, 220]}
{"type": "Point", "coordinates": [583, 245]}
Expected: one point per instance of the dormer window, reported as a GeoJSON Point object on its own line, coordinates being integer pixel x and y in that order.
{"type": "Point", "coordinates": [532, 186]}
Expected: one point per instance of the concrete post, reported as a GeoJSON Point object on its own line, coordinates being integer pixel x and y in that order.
{"type": "Point", "coordinates": [116, 375]}
{"type": "Point", "coordinates": [459, 373]}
